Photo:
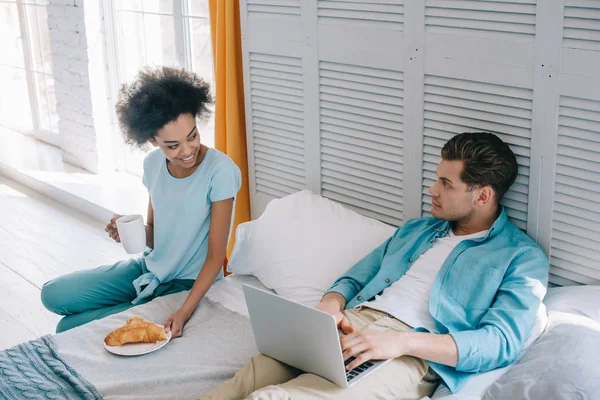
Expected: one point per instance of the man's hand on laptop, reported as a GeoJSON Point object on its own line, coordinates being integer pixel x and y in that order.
{"type": "Point", "coordinates": [333, 303]}
{"type": "Point", "coordinates": [368, 345]}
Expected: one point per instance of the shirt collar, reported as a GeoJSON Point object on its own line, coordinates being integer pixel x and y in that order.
{"type": "Point", "coordinates": [496, 227]}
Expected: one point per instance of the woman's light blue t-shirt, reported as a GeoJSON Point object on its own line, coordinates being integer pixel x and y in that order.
{"type": "Point", "coordinates": [182, 209]}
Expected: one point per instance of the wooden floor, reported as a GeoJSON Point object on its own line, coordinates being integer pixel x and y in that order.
{"type": "Point", "coordinates": [40, 240]}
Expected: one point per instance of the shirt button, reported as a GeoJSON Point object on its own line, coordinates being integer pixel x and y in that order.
{"type": "Point", "coordinates": [432, 240]}
{"type": "Point", "coordinates": [410, 260]}
{"type": "Point", "coordinates": [387, 280]}
{"type": "Point", "coordinates": [359, 298]}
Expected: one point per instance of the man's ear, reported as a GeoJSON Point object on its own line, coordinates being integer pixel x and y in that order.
{"type": "Point", "coordinates": [153, 142]}
{"type": "Point", "coordinates": [486, 195]}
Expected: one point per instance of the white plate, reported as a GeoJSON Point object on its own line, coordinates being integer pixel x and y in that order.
{"type": "Point", "coordinates": [137, 349]}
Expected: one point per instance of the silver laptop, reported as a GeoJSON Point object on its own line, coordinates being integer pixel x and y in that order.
{"type": "Point", "coordinates": [301, 336]}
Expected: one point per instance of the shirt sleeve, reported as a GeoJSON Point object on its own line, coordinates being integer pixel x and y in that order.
{"type": "Point", "coordinates": [225, 182]}
{"type": "Point", "coordinates": [505, 327]}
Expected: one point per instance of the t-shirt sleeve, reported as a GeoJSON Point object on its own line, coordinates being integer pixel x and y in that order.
{"type": "Point", "coordinates": [226, 182]}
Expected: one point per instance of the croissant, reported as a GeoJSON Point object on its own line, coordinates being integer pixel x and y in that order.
{"type": "Point", "coordinates": [135, 330]}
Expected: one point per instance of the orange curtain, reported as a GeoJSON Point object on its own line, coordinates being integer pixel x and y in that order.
{"type": "Point", "coordinates": [230, 125]}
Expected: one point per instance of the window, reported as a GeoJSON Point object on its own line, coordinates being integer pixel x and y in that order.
{"type": "Point", "coordinates": [154, 33]}
{"type": "Point", "coordinates": [26, 70]}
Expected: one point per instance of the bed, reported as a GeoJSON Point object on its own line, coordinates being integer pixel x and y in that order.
{"type": "Point", "coordinates": [297, 248]}
{"type": "Point", "coordinates": [217, 341]}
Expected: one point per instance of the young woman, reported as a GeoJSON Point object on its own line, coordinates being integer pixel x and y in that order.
{"type": "Point", "coordinates": [192, 190]}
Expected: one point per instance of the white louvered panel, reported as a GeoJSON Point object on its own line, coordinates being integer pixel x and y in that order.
{"type": "Point", "coordinates": [581, 27]}
{"type": "Point", "coordinates": [574, 255]}
{"type": "Point", "coordinates": [500, 19]}
{"type": "Point", "coordinates": [385, 14]}
{"type": "Point", "coordinates": [361, 120]}
{"type": "Point", "coordinates": [274, 8]}
{"type": "Point", "coordinates": [454, 106]}
{"type": "Point", "coordinates": [277, 123]}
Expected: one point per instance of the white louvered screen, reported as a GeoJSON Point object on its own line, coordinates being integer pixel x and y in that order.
{"type": "Point", "coordinates": [501, 19]}
{"type": "Point", "coordinates": [581, 28]}
{"type": "Point", "coordinates": [361, 118]}
{"type": "Point", "coordinates": [288, 8]}
{"type": "Point", "coordinates": [453, 106]}
{"type": "Point", "coordinates": [354, 99]}
{"type": "Point", "coordinates": [387, 14]}
{"type": "Point", "coordinates": [278, 123]}
{"type": "Point", "coordinates": [575, 255]}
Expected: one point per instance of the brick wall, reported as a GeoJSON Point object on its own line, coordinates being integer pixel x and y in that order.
{"type": "Point", "coordinates": [78, 47]}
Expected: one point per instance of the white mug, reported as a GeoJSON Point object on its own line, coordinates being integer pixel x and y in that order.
{"type": "Point", "coordinates": [132, 233]}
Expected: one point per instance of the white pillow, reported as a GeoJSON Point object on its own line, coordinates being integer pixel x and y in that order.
{"type": "Point", "coordinates": [546, 354]}
{"type": "Point", "coordinates": [302, 243]}
{"type": "Point", "coordinates": [579, 300]}
{"type": "Point", "coordinates": [562, 364]}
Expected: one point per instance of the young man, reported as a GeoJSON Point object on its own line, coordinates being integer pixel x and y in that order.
{"type": "Point", "coordinates": [444, 297]}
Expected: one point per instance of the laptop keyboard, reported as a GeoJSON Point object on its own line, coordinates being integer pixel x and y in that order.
{"type": "Point", "coordinates": [353, 373]}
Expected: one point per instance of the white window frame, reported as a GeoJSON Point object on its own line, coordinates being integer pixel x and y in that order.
{"type": "Point", "coordinates": [36, 132]}
{"type": "Point", "coordinates": [183, 51]}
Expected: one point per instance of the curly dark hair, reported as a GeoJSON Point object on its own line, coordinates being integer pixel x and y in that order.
{"type": "Point", "coordinates": [158, 96]}
{"type": "Point", "coordinates": [487, 161]}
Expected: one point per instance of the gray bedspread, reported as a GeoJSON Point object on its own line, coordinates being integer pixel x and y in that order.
{"type": "Point", "coordinates": [216, 343]}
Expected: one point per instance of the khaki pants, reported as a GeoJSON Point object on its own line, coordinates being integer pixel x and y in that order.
{"type": "Point", "coordinates": [402, 378]}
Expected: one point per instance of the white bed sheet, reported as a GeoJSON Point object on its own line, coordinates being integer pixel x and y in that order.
{"type": "Point", "coordinates": [229, 293]}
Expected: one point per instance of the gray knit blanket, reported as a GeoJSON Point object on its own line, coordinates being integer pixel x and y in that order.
{"type": "Point", "coordinates": [34, 370]}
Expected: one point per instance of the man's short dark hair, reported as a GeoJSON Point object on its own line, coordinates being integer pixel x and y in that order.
{"type": "Point", "coordinates": [488, 161]}
{"type": "Point", "coordinates": [158, 96]}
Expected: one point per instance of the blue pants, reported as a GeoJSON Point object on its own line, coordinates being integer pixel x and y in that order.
{"type": "Point", "coordinates": [88, 295]}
